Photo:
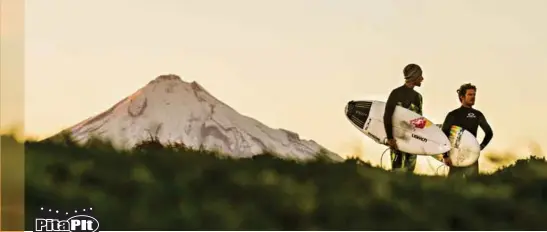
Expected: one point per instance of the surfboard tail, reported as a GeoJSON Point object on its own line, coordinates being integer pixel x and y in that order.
{"type": "Point", "coordinates": [358, 112]}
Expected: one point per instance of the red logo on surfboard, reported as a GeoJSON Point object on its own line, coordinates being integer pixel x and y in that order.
{"type": "Point", "coordinates": [420, 123]}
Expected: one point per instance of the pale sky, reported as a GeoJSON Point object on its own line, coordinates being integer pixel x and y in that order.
{"type": "Point", "coordinates": [291, 64]}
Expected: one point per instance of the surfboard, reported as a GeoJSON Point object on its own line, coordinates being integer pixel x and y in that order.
{"type": "Point", "coordinates": [413, 133]}
{"type": "Point", "coordinates": [465, 147]}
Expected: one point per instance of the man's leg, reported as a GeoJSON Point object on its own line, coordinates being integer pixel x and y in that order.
{"type": "Point", "coordinates": [401, 161]}
{"type": "Point", "coordinates": [410, 162]}
{"type": "Point", "coordinates": [396, 160]}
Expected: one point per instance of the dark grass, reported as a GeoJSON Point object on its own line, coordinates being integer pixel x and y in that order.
{"type": "Point", "coordinates": [174, 188]}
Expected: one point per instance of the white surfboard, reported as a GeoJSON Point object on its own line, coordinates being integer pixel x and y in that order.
{"type": "Point", "coordinates": [465, 147]}
{"type": "Point", "coordinates": [414, 133]}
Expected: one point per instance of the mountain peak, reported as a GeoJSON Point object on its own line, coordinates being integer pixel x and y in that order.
{"type": "Point", "coordinates": [176, 111]}
{"type": "Point", "coordinates": [172, 80]}
{"type": "Point", "coordinates": [167, 77]}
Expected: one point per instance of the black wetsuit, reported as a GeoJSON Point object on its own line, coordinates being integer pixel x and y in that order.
{"type": "Point", "coordinates": [469, 119]}
{"type": "Point", "coordinates": [410, 99]}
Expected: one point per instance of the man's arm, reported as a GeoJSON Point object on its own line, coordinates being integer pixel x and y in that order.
{"type": "Point", "coordinates": [420, 104]}
{"type": "Point", "coordinates": [447, 124]}
{"type": "Point", "coordinates": [488, 133]}
{"type": "Point", "coordinates": [388, 113]}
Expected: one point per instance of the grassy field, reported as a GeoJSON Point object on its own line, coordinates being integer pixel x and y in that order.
{"type": "Point", "coordinates": [173, 188]}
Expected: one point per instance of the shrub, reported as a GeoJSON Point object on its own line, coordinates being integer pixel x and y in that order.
{"type": "Point", "coordinates": [175, 188]}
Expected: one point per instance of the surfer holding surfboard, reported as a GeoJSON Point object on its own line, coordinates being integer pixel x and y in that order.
{"type": "Point", "coordinates": [469, 119]}
{"type": "Point", "coordinates": [399, 123]}
{"type": "Point", "coordinates": [408, 98]}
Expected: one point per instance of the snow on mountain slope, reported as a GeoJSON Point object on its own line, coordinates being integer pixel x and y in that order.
{"type": "Point", "coordinates": [177, 111]}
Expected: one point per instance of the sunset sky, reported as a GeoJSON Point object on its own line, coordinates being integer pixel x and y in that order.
{"type": "Point", "coordinates": [291, 63]}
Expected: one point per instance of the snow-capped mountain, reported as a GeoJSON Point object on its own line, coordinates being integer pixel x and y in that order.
{"type": "Point", "coordinates": [177, 111]}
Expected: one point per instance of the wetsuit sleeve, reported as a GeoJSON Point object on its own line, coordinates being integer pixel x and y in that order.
{"type": "Point", "coordinates": [388, 113]}
{"type": "Point", "coordinates": [447, 124]}
{"type": "Point", "coordinates": [420, 104]}
{"type": "Point", "coordinates": [488, 133]}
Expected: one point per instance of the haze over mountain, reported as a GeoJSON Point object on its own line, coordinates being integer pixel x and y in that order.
{"type": "Point", "coordinates": [176, 111]}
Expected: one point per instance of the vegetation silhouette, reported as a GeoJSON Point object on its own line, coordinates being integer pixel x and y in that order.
{"type": "Point", "coordinates": [156, 187]}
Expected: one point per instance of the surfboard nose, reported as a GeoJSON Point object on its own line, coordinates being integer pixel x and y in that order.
{"type": "Point", "coordinates": [350, 108]}
{"type": "Point", "coordinates": [358, 112]}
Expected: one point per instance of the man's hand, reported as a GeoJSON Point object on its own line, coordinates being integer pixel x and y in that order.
{"type": "Point", "coordinates": [446, 160]}
{"type": "Point", "coordinates": [392, 144]}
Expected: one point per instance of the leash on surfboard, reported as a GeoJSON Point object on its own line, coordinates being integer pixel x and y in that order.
{"type": "Point", "coordinates": [382, 158]}
{"type": "Point", "coordinates": [428, 162]}
{"type": "Point", "coordinates": [440, 166]}
{"type": "Point", "coordinates": [436, 169]}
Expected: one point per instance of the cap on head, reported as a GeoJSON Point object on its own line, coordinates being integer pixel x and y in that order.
{"type": "Point", "coordinates": [412, 71]}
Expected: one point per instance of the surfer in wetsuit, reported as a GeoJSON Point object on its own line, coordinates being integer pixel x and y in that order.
{"type": "Point", "coordinates": [469, 119]}
{"type": "Point", "coordinates": [408, 98]}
